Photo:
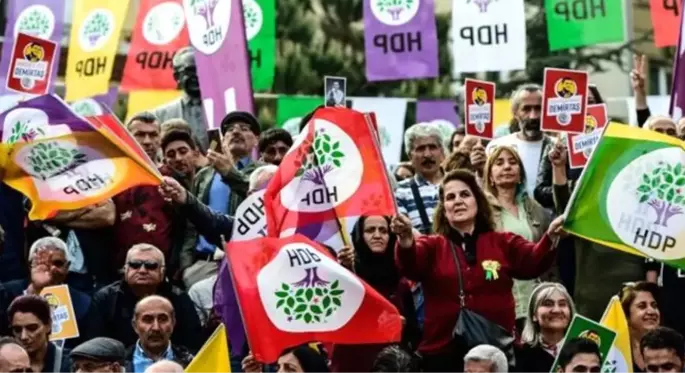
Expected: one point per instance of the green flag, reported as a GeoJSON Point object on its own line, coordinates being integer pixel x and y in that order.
{"type": "Point", "coordinates": [291, 109]}
{"type": "Point", "coordinates": [260, 31]}
{"type": "Point", "coordinates": [577, 23]}
{"type": "Point", "coordinates": [631, 195]}
{"type": "Point", "coordinates": [582, 327]}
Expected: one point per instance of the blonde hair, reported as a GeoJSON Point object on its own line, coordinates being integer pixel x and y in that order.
{"type": "Point", "coordinates": [492, 158]}
{"type": "Point", "coordinates": [531, 331]}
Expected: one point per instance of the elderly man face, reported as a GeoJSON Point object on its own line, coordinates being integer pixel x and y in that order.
{"type": "Point", "coordinates": [52, 262]}
{"type": "Point", "coordinates": [13, 358]}
{"type": "Point", "coordinates": [185, 73]}
{"type": "Point", "coordinates": [479, 366]}
{"type": "Point", "coordinates": [663, 125]}
{"type": "Point", "coordinates": [426, 155]}
{"type": "Point", "coordinates": [81, 365]}
{"type": "Point", "coordinates": [144, 268]}
{"type": "Point", "coordinates": [528, 112]}
{"type": "Point", "coordinates": [239, 139]}
{"type": "Point", "coordinates": [681, 128]}
{"type": "Point", "coordinates": [154, 323]}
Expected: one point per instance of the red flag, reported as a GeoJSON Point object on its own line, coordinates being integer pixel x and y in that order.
{"type": "Point", "coordinates": [666, 15]}
{"type": "Point", "coordinates": [159, 32]}
{"type": "Point", "coordinates": [292, 291]}
{"type": "Point", "coordinates": [333, 170]}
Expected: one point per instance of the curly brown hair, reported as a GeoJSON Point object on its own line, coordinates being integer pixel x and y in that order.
{"type": "Point", "coordinates": [484, 221]}
{"type": "Point", "coordinates": [458, 159]}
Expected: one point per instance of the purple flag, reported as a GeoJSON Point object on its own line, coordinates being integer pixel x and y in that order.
{"type": "Point", "coordinates": [430, 110]}
{"type": "Point", "coordinates": [217, 32]}
{"type": "Point", "coordinates": [96, 105]}
{"type": "Point", "coordinates": [40, 18]}
{"type": "Point", "coordinates": [678, 90]}
{"type": "Point", "coordinates": [400, 39]}
{"type": "Point", "coordinates": [227, 308]}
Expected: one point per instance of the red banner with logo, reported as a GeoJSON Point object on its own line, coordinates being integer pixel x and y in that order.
{"type": "Point", "coordinates": [564, 100]}
{"type": "Point", "coordinates": [580, 146]}
{"type": "Point", "coordinates": [479, 104]}
{"type": "Point", "coordinates": [666, 21]}
{"type": "Point", "coordinates": [159, 32]}
{"type": "Point", "coordinates": [31, 65]}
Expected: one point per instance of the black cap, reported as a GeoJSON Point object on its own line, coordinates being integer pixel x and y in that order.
{"type": "Point", "coordinates": [241, 116]}
{"type": "Point", "coordinates": [100, 349]}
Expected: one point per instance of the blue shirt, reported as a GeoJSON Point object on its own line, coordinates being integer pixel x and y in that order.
{"type": "Point", "coordinates": [407, 206]}
{"type": "Point", "coordinates": [141, 361]}
{"type": "Point", "coordinates": [219, 200]}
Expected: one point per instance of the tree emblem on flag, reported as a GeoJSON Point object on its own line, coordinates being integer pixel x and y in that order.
{"type": "Point", "coordinates": [36, 22]}
{"type": "Point", "coordinates": [96, 29]}
{"type": "Point", "coordinates": [205, 9]}
{"type": "Point", "coordinates": [24, 132]}
{"type": "Point", "coordinates": [49, 159]}
{"type": "Point", "coordinates": [163, 23]}
{"type": "Point", "coordinates": [86, 108]}
{"type": "Point", "coordinates": [662, 189]}
{"type": "Point", "coordinates": [320, 159]}
{"type": "Point", "coordinates": [394, 12]}
{"type": "Point", "coordinates": [311, 299]}
{"type": "Point", "coordinates": [254, 18]}
{"type": "Point", "coordinates": [482, 4]}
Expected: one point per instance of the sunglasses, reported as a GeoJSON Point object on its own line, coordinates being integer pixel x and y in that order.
{"type": "Point", "coordinates": [137, 264]}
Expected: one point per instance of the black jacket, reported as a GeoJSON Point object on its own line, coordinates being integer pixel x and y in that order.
{"type": "Point", "coordinates": [181, 356]}
{"type": "Point", "coordinates": [5, 300]}
{"type": "Point", "coordinates": [111, 313]}
{"type": "Point", "coordinates": [210, 224]}
{"type": "Point", "coordinates": [533, 359]}
{"type": "Point", "coordinates": [56, 359]}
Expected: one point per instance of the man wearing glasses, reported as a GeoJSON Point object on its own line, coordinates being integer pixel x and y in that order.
{"type": "Point", "coordinates": [113, 306]}
{"type": "Point", "coordinates": [13, 357]}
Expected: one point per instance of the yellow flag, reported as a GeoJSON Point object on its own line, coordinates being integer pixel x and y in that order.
{"type": "Point", "coordinates": [214, 355]}
{"type": "Point", "coordinates": [139, 101]}
{"type": "Point", "coordinates": [93, 44]}
{"type": "Point", "coordinates": [620, 357]}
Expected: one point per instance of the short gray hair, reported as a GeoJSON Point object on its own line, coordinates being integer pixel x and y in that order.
{"type": "Point", "coordinates": [516, 96]}
{"type": "Point", "coordinates": [489, 353]}
{"type": "Point", "coordinates": [419, 130]}
{"type": "Point", "coordinates": [531, 330]}
{"type": "Point", "coordinates": [655, 118]}
{"type": "Point", "coordinates": [258, 172]}
{"type": "Point", "coordinates": [167, 366]}
{"type": "Point", "coordinates": [145, 247]}
{"type": "Point", "coordinates": [48, 243]}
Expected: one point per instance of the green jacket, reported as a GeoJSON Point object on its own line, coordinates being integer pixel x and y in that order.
{"type": "Point", "coordinates": [237, 180]}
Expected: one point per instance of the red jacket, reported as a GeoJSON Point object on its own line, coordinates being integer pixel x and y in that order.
{"type": "Point", "coordinates": [430, 262]}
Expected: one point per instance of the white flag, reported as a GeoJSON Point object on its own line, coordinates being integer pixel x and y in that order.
{"type": "Point", "coordinates": [488, 35]}
{"type": "Point", "coordinates": [390, 114]}
{"type": "Point", "coordinates": [250, 218]}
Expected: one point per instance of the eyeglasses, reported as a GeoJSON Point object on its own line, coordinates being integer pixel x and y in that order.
{"type": "Point", "coordinates": [137, 264]}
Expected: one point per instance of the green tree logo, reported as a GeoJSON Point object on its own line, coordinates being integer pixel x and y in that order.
{"type": "Point", "coordinates": [662, 190]}
{"type": "Point", "coordinates": [253, 16]}
{"type": "Point", "coordinates": [311, 299]}
{"type": "Point", "coordinates": [96, 28]}
{"type": "Point", "coordinates": [35, 23]}
{"type": "Point", "coordinates": [320, 159]}
{"type": "Point", "coordinates": [50, 159]}
{"type": "Point", "coordinates": [205, 8]}
{"type": "Point", "coordinates": [23, 131]}
{"type": "Point", "coordinates": [85, 108]}
{"type": "Point", "coordinates": [394, 7]}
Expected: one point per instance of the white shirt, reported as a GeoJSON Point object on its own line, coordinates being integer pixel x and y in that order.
{"type": "Point", "coordinates": [529, 151]}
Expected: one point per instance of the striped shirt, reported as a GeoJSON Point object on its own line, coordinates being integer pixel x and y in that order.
{"type": "Point", "coordinates": [406, 204]}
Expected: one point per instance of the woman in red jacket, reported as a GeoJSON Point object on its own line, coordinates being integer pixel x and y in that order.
{"type": "Point", "coordinates": [489, 260]}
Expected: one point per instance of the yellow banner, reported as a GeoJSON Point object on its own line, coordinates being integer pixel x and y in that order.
{"type": "Point", "coordinates": [139, 101]}
{"type": "Point", "coordinates": [63, 316]}
{"type": "Point", "coordinates": [95, 32]}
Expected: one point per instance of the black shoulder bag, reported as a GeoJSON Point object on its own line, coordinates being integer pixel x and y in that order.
{"type": "Point", "coordinates": [425, 222]}
{"type": "Point", "coordinates": [473, 329]}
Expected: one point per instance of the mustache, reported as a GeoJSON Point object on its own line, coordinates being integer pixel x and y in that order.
{"type": "Point", "coordinates": [427, 162]}
{"type": "Point", "coordinates": [531, 124]}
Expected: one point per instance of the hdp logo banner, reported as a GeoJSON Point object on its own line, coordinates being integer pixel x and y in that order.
{"type": "Point", "coordinates": [260, 31]}
{"type": "Point", "coordinates": [217, 32]}
{"type": "Point", "coordinates": [39, 18]}
{"type": "Point", "coordinates": [333, 170]}
{"type": "Point", "coordinates": [92, 46]}
{"type": "Point", "coordinates": [292, 291]}
{"type": "Point", "coordinates": [631, 195]}
{"type": "Point", "coordinates": [158, 34]}
{"type": "Point", "coordinates": [61, 162]}
{"type": "Point", "coordinates": [564, 100]}
{"type": "Point", "coordinates": [400, 39]}
{"type": "Point", "coordinates": [579, 23]}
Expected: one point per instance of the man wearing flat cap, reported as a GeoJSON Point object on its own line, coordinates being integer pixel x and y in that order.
{"type": "Point", "coordinates": [99, 355]}
{"type": "Point", "coordinates": [222, 186]}
{"type": "Point", "coordinates": [189, 106]}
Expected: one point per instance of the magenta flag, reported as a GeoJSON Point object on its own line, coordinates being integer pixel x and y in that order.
{"type": "Point", "coordinates": [678, 90]}
{"type": "Point", "coordinates": [400, 39]}
{"type": "Point", "coordinates": [40, 18]}
{"type": "Point", "coordinates": [217, 32]}
{"type": "Point", "coordinates": [430, 110]}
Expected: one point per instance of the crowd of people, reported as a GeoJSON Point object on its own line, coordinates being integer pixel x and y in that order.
{"type": "Point", "coordinates": [476, 245]}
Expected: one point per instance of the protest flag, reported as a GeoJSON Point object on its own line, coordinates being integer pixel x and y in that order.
{"type": "Point", "coordinates": [333, 170]}
{"type": "Point", "coordinates": [678, 86]}
{"type": "Point", "coordinates": [292, 291]}
{"type": "Point", "coordinates": [62, 162]}
{"type": "Point", "coordinates": [213, 356]}
{"type": "Point", "coordinates": [620, 357]}
{"type": "Point", "coordinates": [631, 195]}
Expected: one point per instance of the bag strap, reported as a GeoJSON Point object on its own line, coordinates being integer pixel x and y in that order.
{"type": "Point", "coordinates": [425, 222]}
{"type": "Point", "coordinates": [462, 296]}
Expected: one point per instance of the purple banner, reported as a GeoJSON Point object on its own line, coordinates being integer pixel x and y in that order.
{"type": "Point", "coordinates": [217, 32]}
{"type": "Point", "coordinates": [109, 98]}
{"type": "Point", "coordinates": [678, 90]}
{"type": "Point", "coordinates": [40, 18]}
{"type": "Point", "coordinates": [430, 110]}
{"type": "Point", "coordinates": [227, 308]}
{"type": "Point", "coordinates": [400, 39]}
